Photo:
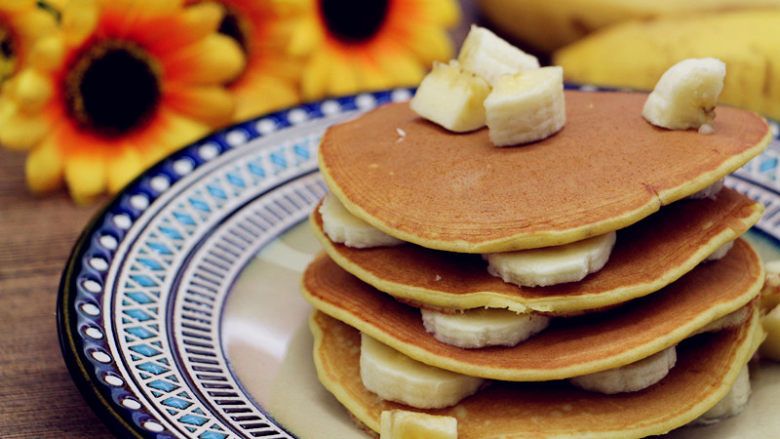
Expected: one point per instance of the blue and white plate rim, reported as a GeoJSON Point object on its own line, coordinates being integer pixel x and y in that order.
{"type": "Point", "coordinates": [140, 300]}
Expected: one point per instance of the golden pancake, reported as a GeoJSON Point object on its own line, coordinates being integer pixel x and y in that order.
{"type": "Point", "coordinates": [646, 257]}
{"type": "Point", "coordinates": [707, 366]}
{"type": "Point", "coordinates": [606, 169]}
{"type": "Point", "coordinates": [570, 346]}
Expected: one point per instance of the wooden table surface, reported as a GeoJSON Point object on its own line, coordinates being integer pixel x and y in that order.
{"type": "Point", "coordinates": [38, 398]}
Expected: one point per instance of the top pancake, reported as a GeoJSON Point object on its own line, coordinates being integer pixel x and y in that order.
{"type": "Point", "coordinates": [606, 169]}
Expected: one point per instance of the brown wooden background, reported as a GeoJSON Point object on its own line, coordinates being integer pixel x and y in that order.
{"type": "Point", "coordinates": [38, 399]}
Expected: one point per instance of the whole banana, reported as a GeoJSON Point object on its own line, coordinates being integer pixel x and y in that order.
{"type": "Point", "coordinates": [544, 25]}
{"type": "Point", "coordinates": [635, 54]}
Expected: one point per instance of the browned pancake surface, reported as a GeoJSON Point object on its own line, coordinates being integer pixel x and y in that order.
{"type": "Point", "coordinates": [646, 257]}
{"type": "Point", "coordinates": [706, 367]}
{"type": "Point", "coordinates": [606, 169]}
{"type": "Point", "coordinates": [570, 346]}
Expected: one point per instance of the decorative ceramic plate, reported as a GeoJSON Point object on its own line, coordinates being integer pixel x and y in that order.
{"type": "Point", "coordinates": [179, 312]}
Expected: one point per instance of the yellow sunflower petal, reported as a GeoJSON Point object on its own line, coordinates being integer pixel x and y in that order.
{"type": "Point", "coordinates": [443, 12]}
{"type": "Point", "coordinates": [32, 90]}
{"type": "Point", "coordinates": [22, 132]}
{"type": "Point", "coordinates": [86, 177]}
{"type": "Point", "coordinates": [305, 37]}
{"type": "Point", "coordinates": [16, 5]}
{"type": "Point", "coordinates": [314, 79]}
{"type": "Point", "coordinates": [212, 105]}
{"type": "Point", "coordinates": [371, 78]}
{"type": "Point", "coordinates": [123, 167]}
{"type": "Point", "coordinates": [342, 79]}
{"type": "Point", "coordinates": [177, 131]}
{"type": "Point", "coordinates": [214, 59]}
{"type": "Point", "coordinates": [79, 19]}
{"type": "Point", "coordinates": [44, 168]}
{"type": "Point", "coordinates": [262, 94]}
{"type": "Point", "coordinates": [430, 43]}
{"type": "Point", "coordinates": [48, 53]}
{"type": "Point", "coordinates": [203, 18]}
{"type": "Point", "coordinates": [34, 23]}
{"type": "Point", "coordinates": [401, 67]}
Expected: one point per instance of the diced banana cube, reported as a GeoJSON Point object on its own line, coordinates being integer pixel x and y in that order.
{"type": "Point", "coordinates": [770, 348]}
{"type": "Point", "coordinates": [526, 107]}
{"type": "Point", "coordinates": [686, 95]}
{"type": "Point", "coordinates": [491, 57]}
{"type": "Point", "coordinates": [403, 424]}
{"type": "Point", "coordinates": [452, 97]}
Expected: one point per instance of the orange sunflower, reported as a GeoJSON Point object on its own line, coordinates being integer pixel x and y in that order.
{"type": "Point", "coordinates": [123, 83]}
{"type": "Point", "coordinates": [21, 24]}
{"type": "Point", "coordinates": [353, 45]}
{"type": "Point", "coordinates": [268, 81]}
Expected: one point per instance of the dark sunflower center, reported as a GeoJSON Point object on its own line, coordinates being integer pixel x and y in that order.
{"type": "Point", "coordinates": [234, 26]}
{"type": "Point", "coordinates": [354, 21]}
{"type": "Point", "coordinates": [113, 88]}
{"type": "Point", "coordinates": [7, 54]}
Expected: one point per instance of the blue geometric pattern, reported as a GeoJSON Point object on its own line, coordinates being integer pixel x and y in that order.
{"type": "Point", "coordinates": [148, 318]}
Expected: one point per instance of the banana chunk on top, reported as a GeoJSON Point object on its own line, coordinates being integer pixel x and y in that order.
{"type": "Point", "coordinates": [686, 95]}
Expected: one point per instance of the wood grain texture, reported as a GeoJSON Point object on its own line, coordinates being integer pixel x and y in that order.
{"type": "Point", "coordinates": [37, 396]}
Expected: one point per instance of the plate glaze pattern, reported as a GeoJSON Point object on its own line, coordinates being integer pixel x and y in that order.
{"type": "Point", "coordinates": [141, 297]}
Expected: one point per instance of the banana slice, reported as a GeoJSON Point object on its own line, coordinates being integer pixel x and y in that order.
{"type": "Point", "coordinates": [686, 95]}
{"type": "Point", "coordinates": [526, 107]}
{"type": "Point", "coordinates": [770, 348]}
{"type": "Point", "coordinates": [708, 192]}
{"type": "Point", "coordinates": [343, 227]}
{"type": "Point", "coordinates": [733, 403]}
{"type": "Point", "coordinates": [770, 293]}
{"type": "Point", "coordinates": [452, 98]}
{"type": "Point", "coordinates": [403, 424]}
{"type": "Point", "coordinates": [631, 377]}
{"type": "Point", "coordinates": [395, 377]}
{"type": "Point", "coordinates": [721, 252]}
{"type": "Point", "coordinates": [491, 57]}
{"type": "Point", "coordinates": [478, 328]}
{"type": "Point", "coordinates": [552, 265]}
{"type": "Point", "coordinates": [731, 320]}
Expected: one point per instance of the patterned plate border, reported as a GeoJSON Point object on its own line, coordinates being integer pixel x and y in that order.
{"type": "Point", "coordinates": [140, 301]}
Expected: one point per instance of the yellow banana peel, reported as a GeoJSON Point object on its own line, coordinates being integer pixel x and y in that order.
{"type": "Point", "coordinates": [636, 53]}
{"type": "Point", "coordinates": [545, 25]}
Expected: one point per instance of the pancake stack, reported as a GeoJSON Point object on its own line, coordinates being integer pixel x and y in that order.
{"type": "Point", "coordinates": [447, 200]}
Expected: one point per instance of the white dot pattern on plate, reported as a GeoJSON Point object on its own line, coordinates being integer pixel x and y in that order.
{"type": "Point", "coordinates": [90, 309]}
{"type": "Point", "coordinates": [113, 380]}
{"type": "Point", "coordinates": [131, 403]}
{"type": "Point", "coordinates": [297, 116]}
{"type": "Point", "coordinates": [265, 126]}
{"type": "Point", "coordinates": [98, 264]}
{"type": "Point", "coordinates": [139, 201]}
{"type": "Point", "coordinates": [330, 107]}
{"type": "Point", "coordinates": [401, 95]}
{"type": "Point", "coordinates": [93, 333]}
{"type": "Point", "coordinates": [365, 101]}
{"type": "Point", "coordinates": [235, 137]}
{"type": "Point", "coordinates": [109, 242]}
{"type": "Point", "coordinates": [208, 151]}
{"type": "Point", "coordinates": [183, 166]}
{"type": "Point", "coordinates": [160, 183]}
{"type": "Point", "coordinates": [101, 356]}
{"type": "Point", "coordinates": [123, 221]}
{"type": "Point", "coordinates": [153, 426]}
{"type": "Point", "coordinates": [92, 286]}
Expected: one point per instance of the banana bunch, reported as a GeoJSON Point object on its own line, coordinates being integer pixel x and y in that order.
{"type": "Point", "coordinates": [544, 25]}
{"type": "Point", "coordinates": [635, 54]}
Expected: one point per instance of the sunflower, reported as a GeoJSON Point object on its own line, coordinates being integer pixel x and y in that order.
{"type": "Point", "coordinates": [21, 24]}
{"type": "Point", "coordinates": [352, 45]}
{"type": "Point", "coordinates": [268, 81]}
{"type": "Point", "coordinates": [120, 85]}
